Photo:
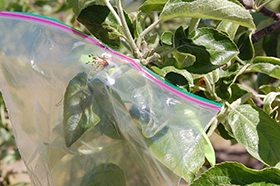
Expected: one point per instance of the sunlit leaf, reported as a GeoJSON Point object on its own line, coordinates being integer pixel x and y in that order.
{"type": "Point", "coordinates": [271, 105]}
{"type": "Point", "coordinates": [266, 65]}
{"type": "Point", "coordinates": [209, 150]}
{"type": "Point", "coordinates": [106, 174]}
{"type": "Point", "coordinates": [269, 88]}
{"type": "Point", "coordinates": [210, 47]}
{"type": "Point", "coordinates": [174, 141]}
{"type": "Point", "coordinates": [184, 60]}
{"type": "Point", "coordinates": [79, 109]}
{"type": "Point", "coordinates": [167, 38]}
{"type": "Point", "coordinates": [230, 173]}
{"type": "Point", "coordinates": [213, 9]}
{"type": "Point", "coordinates": [152, 5]}
{"type": "Point", "coordinates": [257, 132]}
{"type": "Point", "coordinates": [228, 27]}
{"type": "Point", "coordinates": [271, 60]}
{"type": "Point", "coordinates": [187, 77]}
{"type": "Point", "coordinates": [269, 99]}
{"type": "Point", "coordinates": [176, 148]}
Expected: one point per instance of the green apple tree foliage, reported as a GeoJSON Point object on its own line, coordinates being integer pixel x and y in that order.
{"type": "Point", "coordinates": [224, 50]}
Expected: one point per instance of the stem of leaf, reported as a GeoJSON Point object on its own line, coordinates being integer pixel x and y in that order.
{"type": "Point", "coordinates": [243, 69]}
{"type": "Point", "coordinates": [126, 31]}
{"type": "Point", "coordinates": [167, 52]}
{"type": "Point", "coordinates": [239, 101]}
{"type": "Point", "coordinates": [111, 8]}
{"type": "Point", "coordinates": [262, 5]}
{"type": "Point", "coordinates": [147, 30]}
{"type": "Point", "coordinates": [193, 24]}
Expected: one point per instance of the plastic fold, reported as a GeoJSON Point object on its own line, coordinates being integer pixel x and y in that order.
{"type": "Point", "coordinates": [129, 117]}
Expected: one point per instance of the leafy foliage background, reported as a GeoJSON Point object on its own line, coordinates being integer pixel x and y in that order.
{"type": "Point", "coordinates": [249, 88]}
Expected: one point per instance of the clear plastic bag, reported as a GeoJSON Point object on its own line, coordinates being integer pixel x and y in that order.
{"type": "Point", "coordinates": [78, 107]}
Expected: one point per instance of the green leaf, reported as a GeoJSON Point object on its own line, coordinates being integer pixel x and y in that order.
{"type": "Point", "coordinates": [271, 60]}
{"type": "Point", "coordinates": [184, 156]}
{"type": "Point", "coordinates": [94, 18]}
{"type": "Point", "coordinates": [257, 131]}
{"type": "Point", "coordinates": [2, 4]}
{"type": "Point", "coordinates": [137, 24]}
{"type": "Point", "coordinates": [106, 98]}
{"type": "Point", "coordinates": [266, 65]}
{"type": "Point", "coordinates": [106, 174]}
{"type": "Point", "coordinates": [79, 109]}
{"type": "Point", "coordinates": [223, 132]}
{"type": "Point", "coordinates": [210, 47]}
{"type": "Point", "coordinates": [157, 70]}
{"type": "Point", "coordinates": [263, 79]}
{"type": "Point", "coordinates": [270, 44]}
{"type": "Point", "coordinates": [230, 173]}
{"type": "Point", "coordinates": [245, 46]}
{"type": "Point", "coordinates": [174, 141]}
{"type": "Point", "coordinates": [228, 27]}
{"type": "Point", "coordinates": [79, 5]}
{"type": "Point", "coordinates": [271, 105]}
{"type": "Point", "coordinates": [150, 103]}
{"type": "Point", "coordinates": [187, 77]}
{"type": "Point", "coordinates": [209, 150]}
{"type": "Point", "coordinates": [213, 9]}
{"type": "Point", "coordinates": [152, 5]}
{"type": "Point", "coordinates": [184, 60]}
{"type": "Point", "coordinates": [167, 38]}
{"type": "Point", "coordinates": [268, 101]}
{"type": "Point", "coordinates": [269, 88]}
{"type": "Point", "coordinates": [237, 91]}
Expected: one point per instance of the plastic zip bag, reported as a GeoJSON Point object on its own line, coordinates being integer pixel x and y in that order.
{"type": "Point", "coordinates": [78, 108]}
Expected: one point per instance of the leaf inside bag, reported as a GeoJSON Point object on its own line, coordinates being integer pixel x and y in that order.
{"type": "Point", "coordinates": [79, 112]}
{"type": "Point", "coordinates": [105, 174]}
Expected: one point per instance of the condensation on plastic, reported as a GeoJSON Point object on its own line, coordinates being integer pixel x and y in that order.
{"type": "Point", "coordinates": [38, 58]}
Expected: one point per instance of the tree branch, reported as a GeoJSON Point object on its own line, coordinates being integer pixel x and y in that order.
{"type": "Point", "coordinates": [265, 31]}
{"type": "Point", "coordinates": [249, 4]}
{"type": "Point", "coordinates": [269, 13]}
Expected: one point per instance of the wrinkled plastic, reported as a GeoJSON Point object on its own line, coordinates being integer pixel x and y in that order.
{"type": "Point", "coordinates": [38, 59]}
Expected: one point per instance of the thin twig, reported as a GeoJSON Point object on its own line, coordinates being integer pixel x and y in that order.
{"type": "Point", "coordinates": [262, 5]}
{"type": "Point", "coordinates": [193, 24]}
{"type": "Point", "coordinates": [147, 30]}
{"type": "Point", "coordinates": [111, 8]}
{"type": "Point", "coordinates": [126, 31]}
{"type": "Point", "coordinates": [257, 100]}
